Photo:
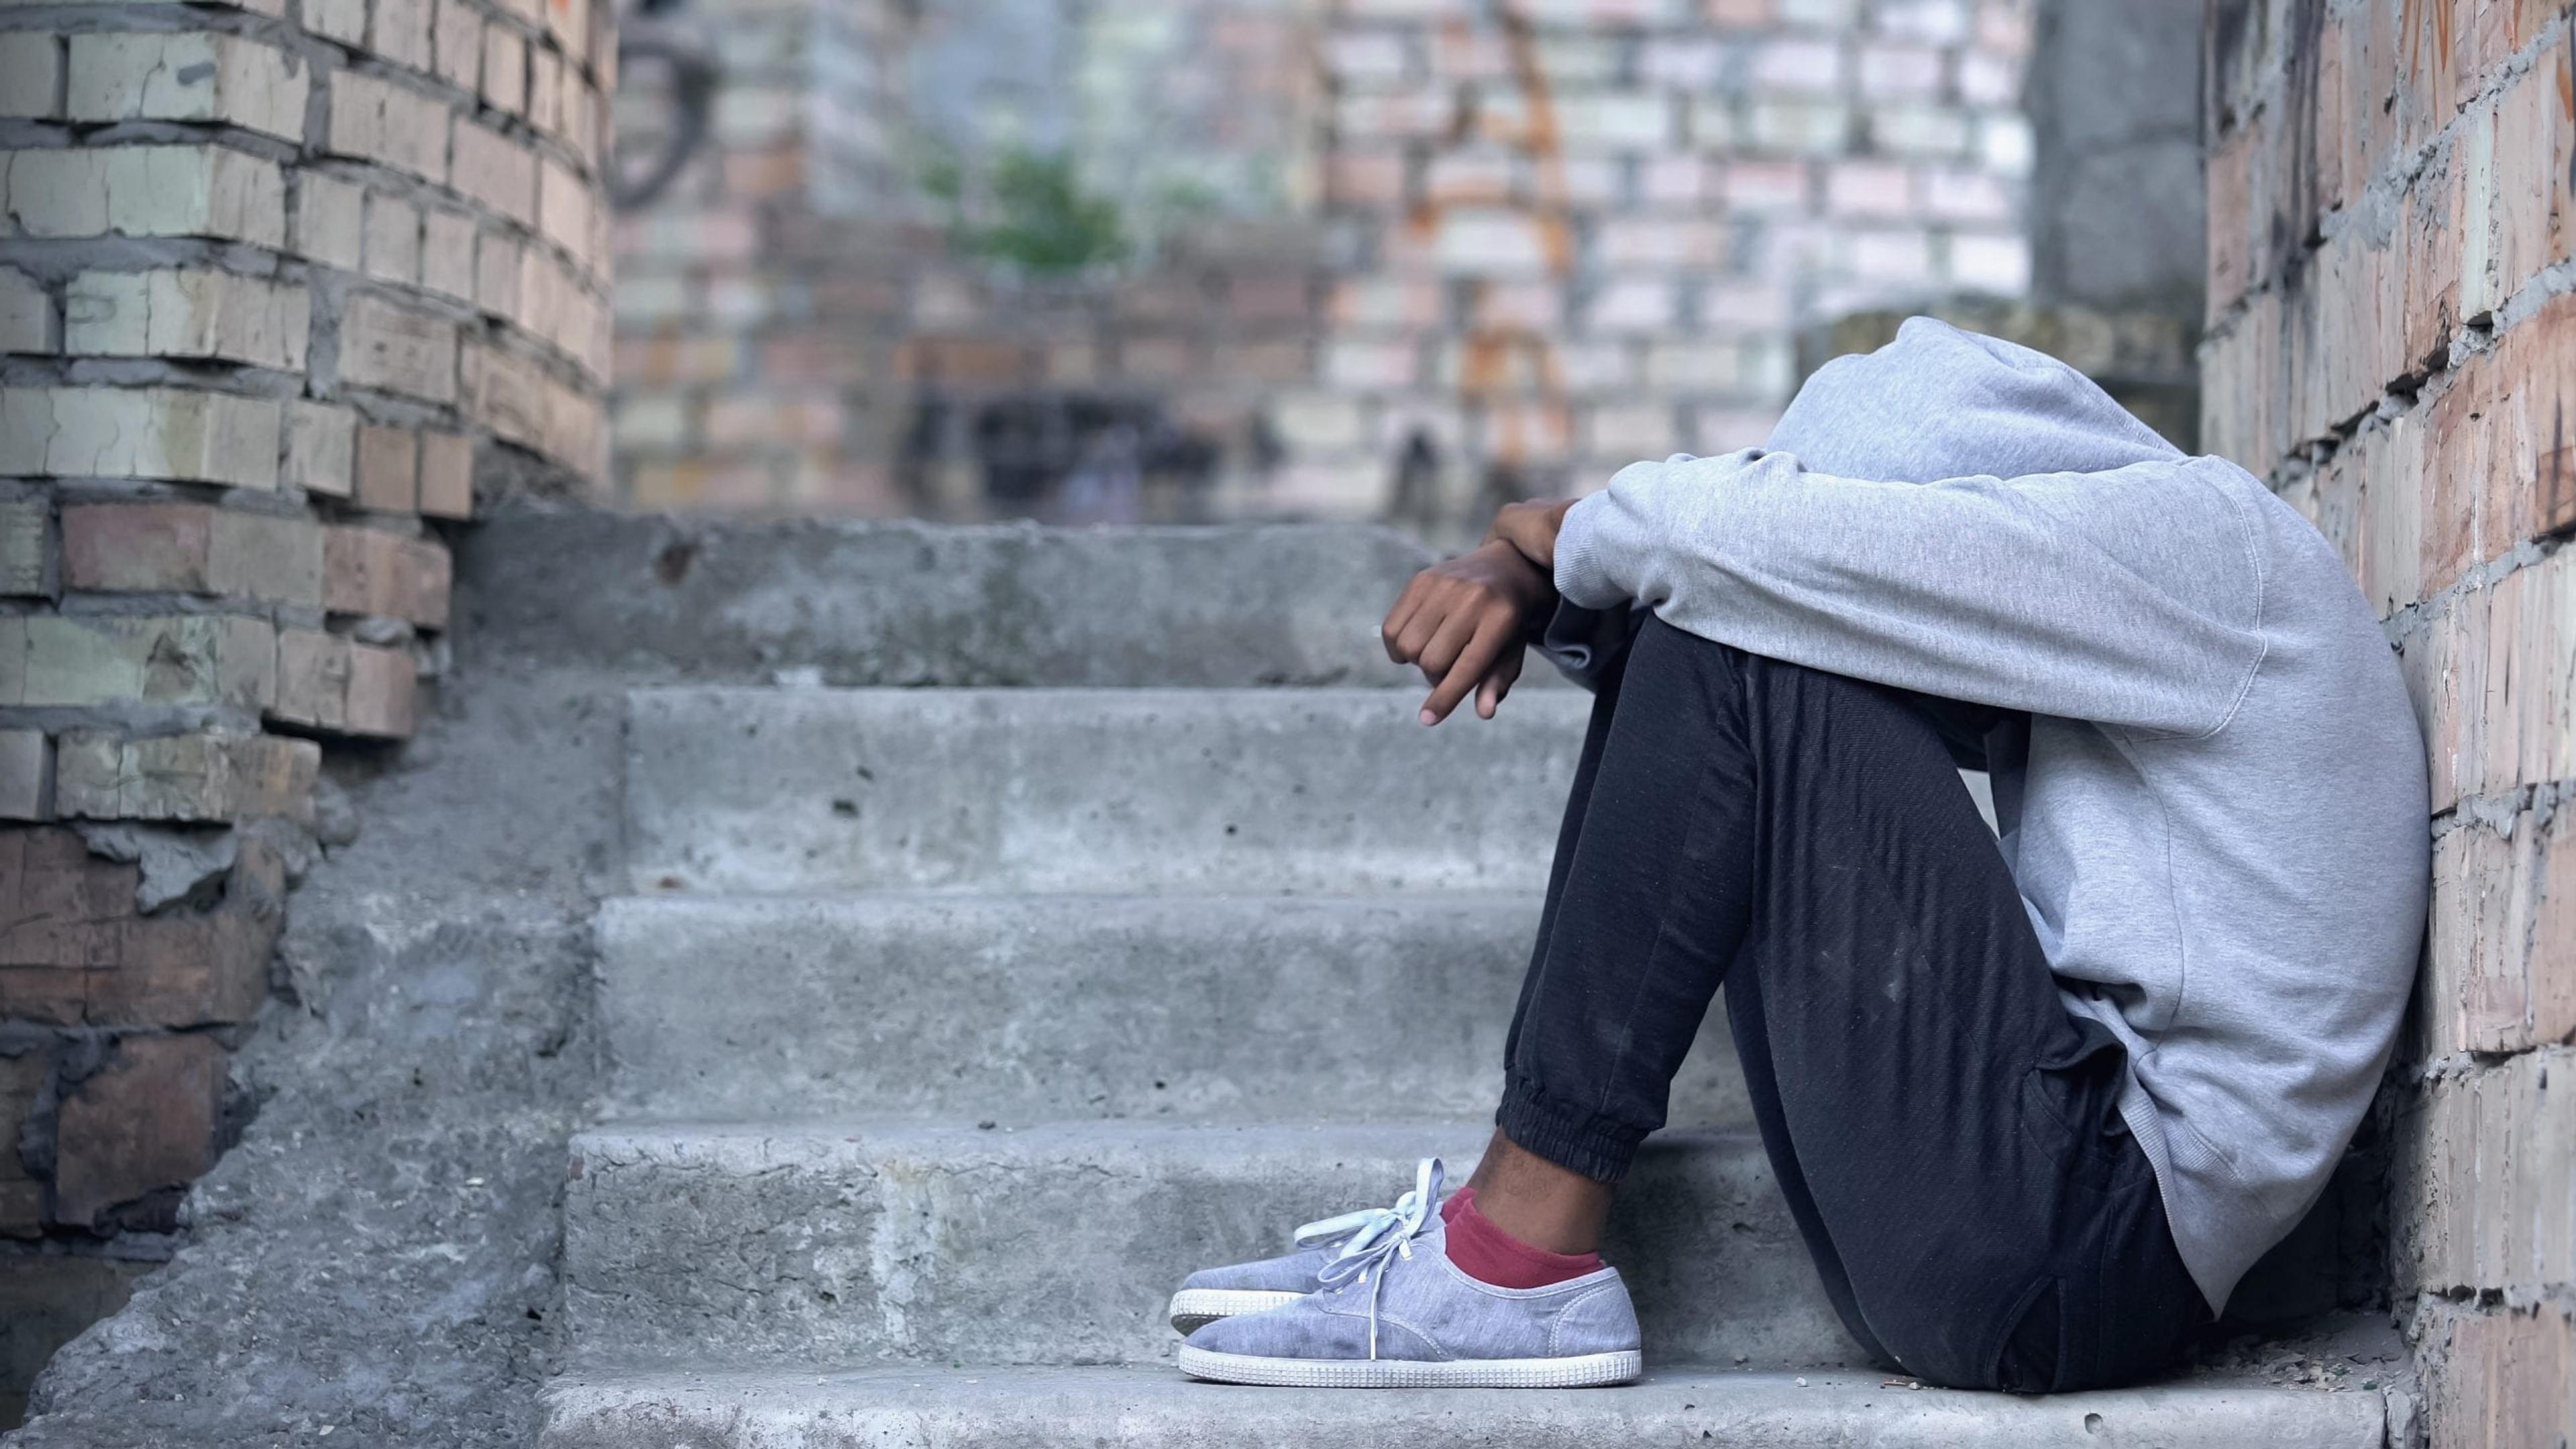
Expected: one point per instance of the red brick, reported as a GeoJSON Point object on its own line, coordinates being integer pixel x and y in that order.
{"type": "Point", "coordinates": [1270, 297]}
{"type": "Point", "coordinates": [382, 683]}
{"type": "Point", "coordinates": [337, 684]}
{"type": "Point", "coordinates": [1271, 362]}
{"type": "Point", "coordinates": [2230, 199]}
{"type": "Point", "coordinates": [1660, 243]}
{"type": "Point", "coordinates": [373, 572]}
{"type": "Point", "coordinates": [1371, 177]}
{"type": "Point", "coordinates": [768, 419]}
{"type": "Point", "coordinates": [204, 968]}
{"type": "Point", "coordinates": [154, 546]}
{"type": "Point", "coordinates": [2503, 428]}
{"type": "Point", "coordinates": [1385, 302]}
{"type": "Point", "coordinates": [802, 362]}
{"type": "Point", "coordinates": [192, 548]}
{"type": "Point", "coordinates": [1532, 433]}
{"type": "Point", "coordinates": [60, 906]}
{"type": "Point", "coordinates": [179, 971]}
{"type": "Point", "coordinates": [142, 1124]}
{"type": "Point", "coordinates": [312, 679]}
{"type": "Point", "coordinates": [966, 361]}
{"type": "Point", "coordinates": [2502, 1378]}
{"type": "Point", "coordinates": [662, 361]}
{"type": "Point", "coordinates": [388, 468]}
{"type": "Point", "coordinates": [210, 777]}
{"type": "Point", "coordinates": [399, 350]}
{"type": "Point", "coordinates": [2501, 967]}
{"type": "Point", "coordinates": [22, 1081]}
{"type": "Point", "coordinates": [757, 175]}
{"type": "Point", "coordinates": [26, 775]}
{"type": "Point", "coordinates": [1489, 177]}
{"type": "Point", "coordinates": [1160, 360]}
{"type": "Point", "coordinates": [446, 475]}
{"type": "Point", "coordinates": [2525, 195]}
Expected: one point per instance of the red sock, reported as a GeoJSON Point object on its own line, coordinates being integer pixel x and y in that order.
{"type": "Point", "coordinates": [1489, 1255]}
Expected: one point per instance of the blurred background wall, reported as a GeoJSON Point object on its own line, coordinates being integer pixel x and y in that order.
{"type": "Point", "coordinates": [1401, 259]}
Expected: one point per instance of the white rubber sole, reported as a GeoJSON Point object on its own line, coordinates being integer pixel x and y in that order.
{"type": "Point", "coordinates": [1579, 1371]}
{"type": "Point", "coordinates": [1196, 1308]}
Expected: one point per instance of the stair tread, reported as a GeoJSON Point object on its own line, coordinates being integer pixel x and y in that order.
{"type": "Point", "coordinates": [1083, 1139]}
{"type": "Point", "coordinates": [966, 1405]}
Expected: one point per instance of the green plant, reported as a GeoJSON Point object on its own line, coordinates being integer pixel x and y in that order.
{"type": "Point", "coordinates": [1031, 212]}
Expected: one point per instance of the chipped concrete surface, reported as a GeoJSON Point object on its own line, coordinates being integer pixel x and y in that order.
{"type": "Point", "coordinates": [377, 1254]}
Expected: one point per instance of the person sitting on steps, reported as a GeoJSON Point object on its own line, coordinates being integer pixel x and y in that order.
{"type": "Point", "coordinates": [2036, 1101]}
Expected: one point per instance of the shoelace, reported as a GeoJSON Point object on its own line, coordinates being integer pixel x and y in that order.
{"type": "Point", "coordinates": [1377, 1236]}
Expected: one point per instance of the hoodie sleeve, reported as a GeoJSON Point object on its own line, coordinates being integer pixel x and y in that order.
{"type": "Point", "coordinates": [2129, 598]}
{"type": "Point", "coordinates": [1583, 643]}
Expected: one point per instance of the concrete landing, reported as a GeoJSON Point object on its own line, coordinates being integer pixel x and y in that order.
{"type": "Point", "coordinates": [970, 1408]}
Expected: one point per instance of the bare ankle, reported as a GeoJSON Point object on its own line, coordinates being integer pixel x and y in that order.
{"type": "Point", "coordinates": [1551, 1208]}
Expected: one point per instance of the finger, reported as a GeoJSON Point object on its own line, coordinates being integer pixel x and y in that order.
{"type": "Point", "coordinates": [1498, 682]}
{"type": "Point", "coordinates": [1406, 604]}
{"type": "Point", "coordinates": [1439, 659]}
{"type": "Point", "coordinates": [1483, 647]}
{"type": "Point", "coordinates": [1425, 623]}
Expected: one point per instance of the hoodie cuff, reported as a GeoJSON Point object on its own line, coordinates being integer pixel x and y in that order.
{"type": "Point", "coordinates": [1580, 578]}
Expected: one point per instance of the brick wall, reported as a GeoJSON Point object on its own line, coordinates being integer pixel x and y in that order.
{"type": "Point", "coordinates": [1588, 233]}
{"type": "Point", "coordinates": [282, 293]}
{"type": "Point", "coordinates": [794, 330]}
{"type": "Point", "coordinates": [2393, 343]}
{"type": "Point", "coordinates": [1521, 244]}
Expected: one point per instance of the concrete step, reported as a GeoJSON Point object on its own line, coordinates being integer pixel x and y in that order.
{"type": "Point", "coordinates": [1342, 1008]}
{"type": "Point", "coordinates": [912, 603]}
{"type": "Point", "coordinates": [850, 1243]}
{"type": "Point", "coordinates": [1266, 791]}
{"type": "Point", "coordinates": [970, 1407]}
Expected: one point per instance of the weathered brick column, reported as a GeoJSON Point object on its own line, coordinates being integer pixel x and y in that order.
{"type": "Point", "coordinates": [283, 290]}
{"type": "Point", "coordinates": [2393, 343]}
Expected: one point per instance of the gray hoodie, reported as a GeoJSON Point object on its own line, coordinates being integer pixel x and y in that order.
{"type": "Point", "coordinates": [2215, 807]}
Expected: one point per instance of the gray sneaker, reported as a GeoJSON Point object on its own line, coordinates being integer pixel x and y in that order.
{"type": "Point", "coordinates": [1400, 1315]}
{"type": "Point", "coordinates": [1214, 1293]}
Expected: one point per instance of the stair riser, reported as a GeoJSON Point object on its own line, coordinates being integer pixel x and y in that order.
{"type": "Point", "coordinates": [966, 1007]}
{"type": "Point", "coordinates": [831, 1251]}
{"type": "Point", "coordinates": [1132, 791]}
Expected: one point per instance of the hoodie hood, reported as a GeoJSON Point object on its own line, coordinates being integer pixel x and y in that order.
{"type": "Point", "coordinates": [1942, 403]}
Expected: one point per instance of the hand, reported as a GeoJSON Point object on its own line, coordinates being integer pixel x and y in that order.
{"type": "Point", "coordinates": [1531, 528]}
{"type": "Point", "coordinates": [1461, 622]}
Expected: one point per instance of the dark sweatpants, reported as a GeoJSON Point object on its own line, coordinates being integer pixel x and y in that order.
{"type": "Point", "coordinates": [1945, 1131]}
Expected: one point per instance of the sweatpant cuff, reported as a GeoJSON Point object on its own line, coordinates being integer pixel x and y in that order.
{"type": "Point", "coordinates": [1576, 1140]}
